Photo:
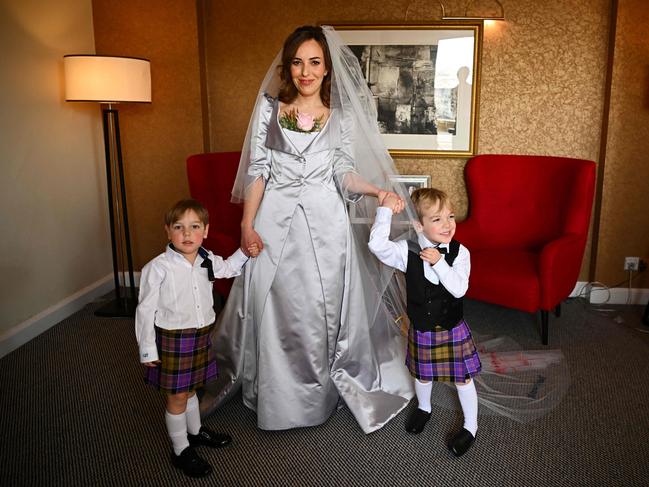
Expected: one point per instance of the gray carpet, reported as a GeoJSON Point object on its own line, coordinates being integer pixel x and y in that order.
{"type": "Point", "coordinates": [74, 411]}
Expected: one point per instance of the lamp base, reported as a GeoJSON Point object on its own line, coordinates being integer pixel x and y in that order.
{"type": "Point", "coordinates": [118, 308]}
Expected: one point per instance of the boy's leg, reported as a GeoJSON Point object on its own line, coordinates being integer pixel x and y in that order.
{"type": "Point", "coordinates": [423, 390]}
{"type": "Point", "coordinates": [421, 415]}
{"type": "Point", "coordinates": [469, 401]}
{"type": "Point", "coordinates": [175, 418]}
{"type": "Point", "coordinates": [461, 442]}
{"type": "Point", "coordinates": [199, 435]}
{"type": "Point", "coordinates": [193, 415]}
{"type": "Point", "coordinates": [183, 456]}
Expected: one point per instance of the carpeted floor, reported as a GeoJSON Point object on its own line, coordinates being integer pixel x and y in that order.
{"type": "Point", "coordinates": [74, 411]}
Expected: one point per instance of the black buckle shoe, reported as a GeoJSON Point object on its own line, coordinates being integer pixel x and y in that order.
{"type": "Point", "coordinates": [206, 437]}
{"type": "Point", "coordinates": [190, 463]}
{"type": "Point", "coordinates": [417, 421]}
{"type": "Point", "coordinates": [461, 442]}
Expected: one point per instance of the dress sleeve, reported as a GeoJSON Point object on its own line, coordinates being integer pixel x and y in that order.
{"type": "Point", "coordinates": [259, 153]}
{"type": "Point", "coordinates": [150, 282]}
{"type": "Point", "coordinates": [344, 158]}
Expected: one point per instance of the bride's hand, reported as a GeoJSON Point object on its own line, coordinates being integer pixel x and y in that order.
{"type": "Point", "coordinates": [382, 195]}
{"type": "Point", "coordinates": [250, 238]}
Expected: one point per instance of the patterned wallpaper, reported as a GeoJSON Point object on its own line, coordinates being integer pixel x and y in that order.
{"type": "Point", "coordinates": [156, 137]}
{"type": "Point", "coordinates": [542, 92]}
{"type": "Point", "coordinates": [624, 227]}
{"type": "Point", "coordinates": [543, 74]}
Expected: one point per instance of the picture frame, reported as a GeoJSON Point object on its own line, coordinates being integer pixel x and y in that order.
{"type": "Point", "coordinates": [410, 182]}
{"type": "Point", "coordinates": [425, 80]}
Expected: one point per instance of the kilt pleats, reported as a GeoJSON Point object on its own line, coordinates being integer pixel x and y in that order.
{"type": "Point", "coordinates": [442, 355]}
{"type": "Point", "coordinates": [187, 361]}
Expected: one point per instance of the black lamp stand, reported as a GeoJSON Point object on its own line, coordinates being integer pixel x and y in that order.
{"type": "Point", "coordinates": [125, 300]}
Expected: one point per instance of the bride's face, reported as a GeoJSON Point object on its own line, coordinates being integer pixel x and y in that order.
{"type": "Point", "coordinates": [308, 68]}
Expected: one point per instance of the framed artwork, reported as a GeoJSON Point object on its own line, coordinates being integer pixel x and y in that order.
{"type": "Point", "coordinates": [411, 182]}
{"type": "Point", "coordinates": [425, 82]}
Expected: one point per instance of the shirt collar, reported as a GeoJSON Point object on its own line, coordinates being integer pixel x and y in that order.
{"type": "Point", "coordinates": [174, 254]}
{"type": "Point", "coordinates": [424, 243]}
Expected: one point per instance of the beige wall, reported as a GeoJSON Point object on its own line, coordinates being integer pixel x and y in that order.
{"type": "Point", "coordinates": [156, 138]}
{"type": "Point", "coordinates": [624, 225]}
{"type": "Point", "coordinates": [543, 74]}
{"type": "Point", "coordinates": [52, 181]}
{"type": "Point", "coordinates": [542, 92]}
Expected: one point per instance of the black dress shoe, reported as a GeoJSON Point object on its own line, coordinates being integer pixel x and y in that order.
{"type": "Point", "coordinates": [190, 463]}
{"type": "Point", "coordinates": [461, 443]}
{"type": "Point", "coordinates": [417, 421]}
{"type": "Point", "coordinates": [209, 438]}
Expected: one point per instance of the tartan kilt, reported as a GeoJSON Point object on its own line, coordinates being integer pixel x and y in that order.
{"type": "Point", "coordinates": [442, 355]}
{"type": "Point", "coordinates": [187, 360]}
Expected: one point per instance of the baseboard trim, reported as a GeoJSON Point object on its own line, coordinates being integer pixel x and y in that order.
{"type": "Point", "coordinates": [598, 294]}
{"type": "Point", "coordinates": [20, 334]}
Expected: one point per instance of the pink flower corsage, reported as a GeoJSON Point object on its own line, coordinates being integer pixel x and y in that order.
{"type": "Point", "coordinates": [305, 122]}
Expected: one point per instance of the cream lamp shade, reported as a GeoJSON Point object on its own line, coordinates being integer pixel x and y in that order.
{"type": "Point", "coordinates": [107, 79]}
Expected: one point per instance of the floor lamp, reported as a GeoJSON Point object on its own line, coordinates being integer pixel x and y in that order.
{"type": "Point", "coordinates": [110, 80]}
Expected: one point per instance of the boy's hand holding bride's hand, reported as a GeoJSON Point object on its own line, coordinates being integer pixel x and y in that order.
{"type": "Point", "coordinates": [253, 250]}
{"type": "Point", "coordinates": [250, 240]}
{"type": "Point", "coordinates": [391, 200]}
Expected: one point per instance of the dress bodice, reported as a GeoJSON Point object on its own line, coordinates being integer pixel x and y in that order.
{"type": "Point", "coordinates": [300, 140]}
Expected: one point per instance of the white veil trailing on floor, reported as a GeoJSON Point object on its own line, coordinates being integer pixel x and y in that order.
{"type": "Point", "coordinates": [518, 384]}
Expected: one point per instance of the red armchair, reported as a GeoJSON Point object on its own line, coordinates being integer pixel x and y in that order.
{"type": "Point", "coordinates": [211, 177]}
{"type": "Point", "coordinates": [527, 229]}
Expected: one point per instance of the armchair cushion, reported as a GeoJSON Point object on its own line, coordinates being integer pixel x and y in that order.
{"type": "Point", "coordinates": [527, 228]}
{"type": "Point", "coordinates": [507, 278]}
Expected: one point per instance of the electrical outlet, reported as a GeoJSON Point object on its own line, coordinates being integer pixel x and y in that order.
{"type": "Point", "coordinates": [631, 263]}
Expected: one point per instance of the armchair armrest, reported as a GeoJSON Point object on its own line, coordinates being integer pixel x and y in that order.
{"type": "Point", "coordinates": [559, 266]}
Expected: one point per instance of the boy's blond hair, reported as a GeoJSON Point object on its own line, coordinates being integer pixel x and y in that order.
{"type": "Point", "coordinates": [176, 212]}
{"type": "Point", "coordinates": [424, 198]}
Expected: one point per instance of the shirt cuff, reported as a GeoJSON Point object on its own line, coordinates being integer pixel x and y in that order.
{"type": "Point", "coordinates": [238, 259]}
{"type": "Point", "coordinates": [383, 214]}
{"type": "Point", "coordinates": [441, 268]}
{"type": "Point", "coordinates": [148, 354]}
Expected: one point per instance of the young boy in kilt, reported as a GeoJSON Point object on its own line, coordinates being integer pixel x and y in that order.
{"type": "Point", "coordinates": [440, 346]}
{"type": "Point", "coordinates": [173, 322]}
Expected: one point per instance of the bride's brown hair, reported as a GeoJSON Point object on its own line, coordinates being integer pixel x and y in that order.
{"type": "Point", "coordinates": [288, 91]}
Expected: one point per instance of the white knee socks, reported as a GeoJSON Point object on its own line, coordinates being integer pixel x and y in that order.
{"type": "Point", "coordinates": [177, 429]}
{"type": "Point", "coordinates": [469, 401]}
{"type": "Point", "coordinates": [193, 415]}
{"type": "Point", "coordinates": [423, 390]}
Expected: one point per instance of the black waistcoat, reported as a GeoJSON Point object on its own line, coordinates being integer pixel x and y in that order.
{"type": "Point", "coordinates": [430, 304]}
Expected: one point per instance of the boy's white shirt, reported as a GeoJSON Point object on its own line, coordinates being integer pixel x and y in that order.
{"type": "Point", "coordinates": [454, 278]}
{"type": "Point", "coordinates": [175, 294]}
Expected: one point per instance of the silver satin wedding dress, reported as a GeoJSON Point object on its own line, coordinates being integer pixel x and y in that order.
{"type": "Point", "coordinates": [296, 332]}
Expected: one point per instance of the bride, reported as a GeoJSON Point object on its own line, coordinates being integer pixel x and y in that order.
{"type": "Point", "coordinates": [306, 327]}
